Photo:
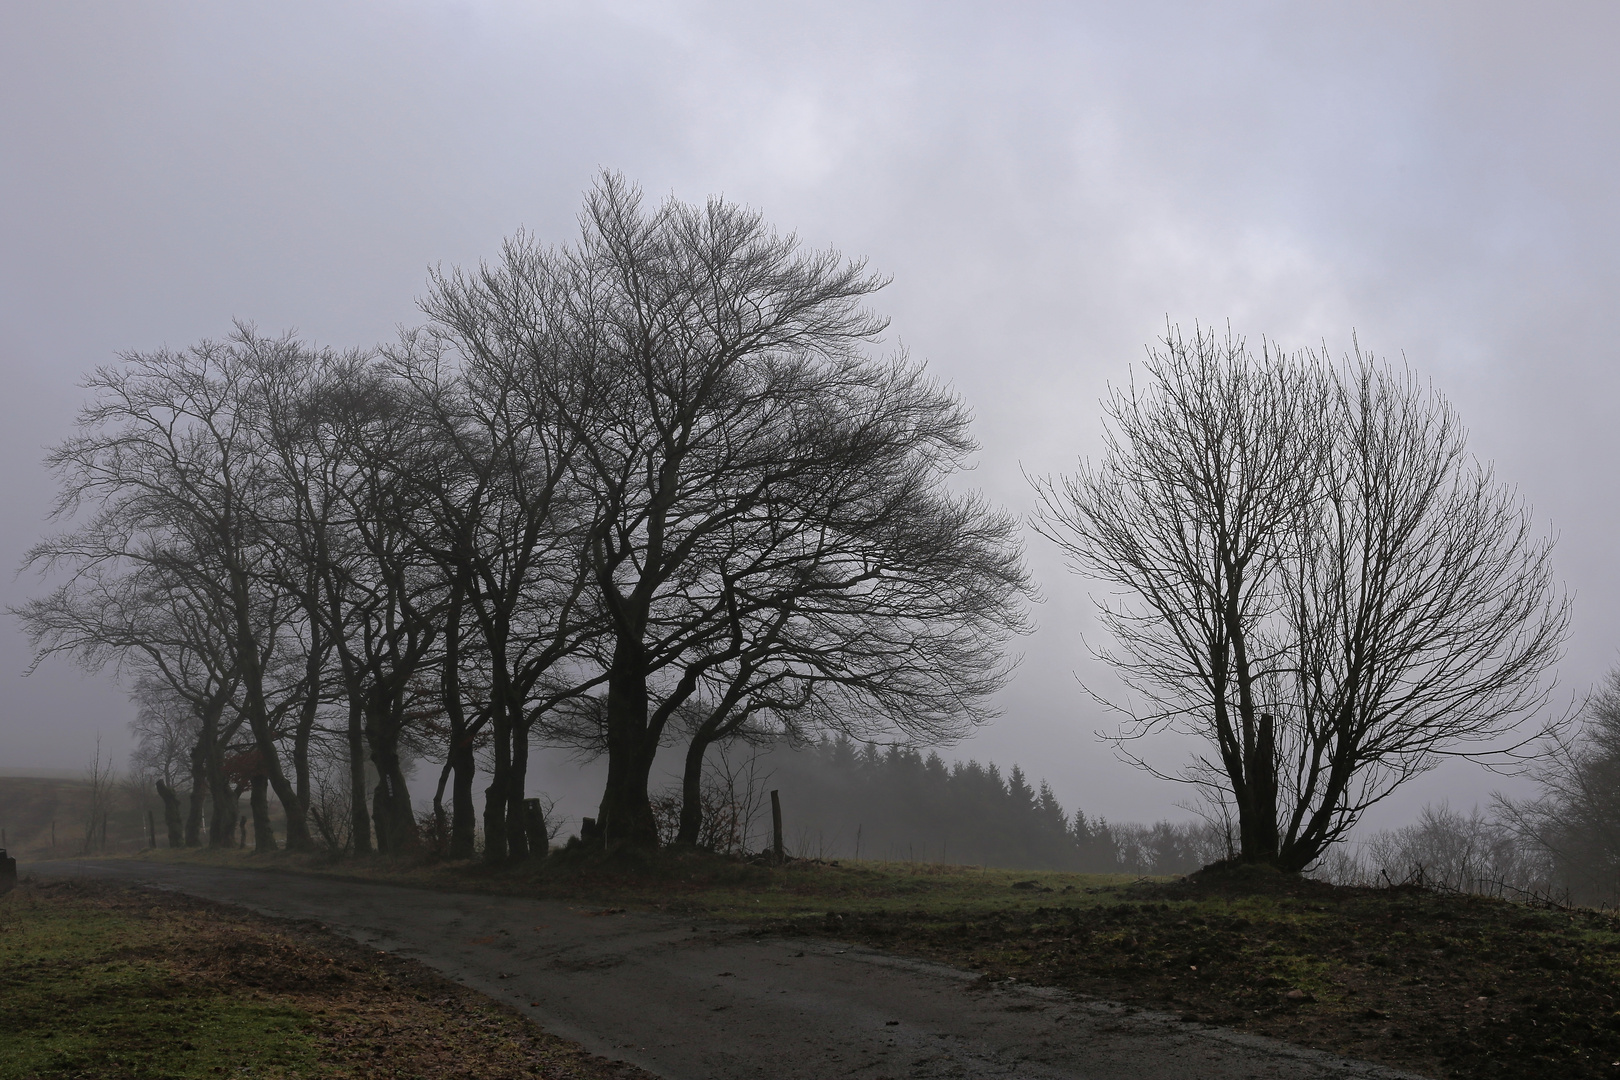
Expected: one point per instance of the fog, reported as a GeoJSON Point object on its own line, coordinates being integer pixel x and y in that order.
{"type": "Point", "coordinates": [1047, 187]}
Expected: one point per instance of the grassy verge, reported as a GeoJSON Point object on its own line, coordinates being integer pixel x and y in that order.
{"type": "Point", "coordinates": [113, 982]}
{"type": "Point", "coordinates": [1449, 986]}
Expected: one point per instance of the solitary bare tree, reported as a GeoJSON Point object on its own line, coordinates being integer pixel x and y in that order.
{"type": "Point", "coordinates": [1318, 579]}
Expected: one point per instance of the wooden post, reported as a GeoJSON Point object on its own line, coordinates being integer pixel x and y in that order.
{"type": "Point", "coordinates": [776, 826]}
{"type": "Point", "coordinates": [534, 827]}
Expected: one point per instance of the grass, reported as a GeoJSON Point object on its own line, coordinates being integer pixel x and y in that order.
{"type": "Point", "coordinates": [115, 982]}
{"type": "Point", "coordinates": [86, 991]}
{"type": "Point", "coordinates": [32, 808]}
{"type": "Point", "coordinates": [1445, 985]}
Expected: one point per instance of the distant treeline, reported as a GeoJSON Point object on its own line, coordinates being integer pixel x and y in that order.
{"type": "Point", "coordinates": [843, 799]}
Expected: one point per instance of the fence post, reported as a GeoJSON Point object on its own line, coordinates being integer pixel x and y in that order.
{"type": "Point", "coordinates": [776, 825]}
{"type": "Point", "coordinates": [534, 825]}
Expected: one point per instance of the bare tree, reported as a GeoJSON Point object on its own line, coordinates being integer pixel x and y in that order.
{"type": "Point", "coordinates": [715, 374]}
{"type": "Point", "coordinates": [166, 731]}
{"type": "Point", "coordinates": [161, 631]}
{"type": "Point", "coordinates": [1322, 582]}
{"type": "Point", "coordinates": [501, 522]}
{"type": "Point", "coordinates": [101, 778]}
{"type": "Point", "coordinates": [171, 466]}
{"type": "Point", "coordinates": [342, 442]}
{"type": "Point", "coordinates": [1575, 818]}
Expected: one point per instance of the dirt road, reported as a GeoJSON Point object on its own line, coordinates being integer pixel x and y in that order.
{"type": "Point", "coordinates": [704, 1001]}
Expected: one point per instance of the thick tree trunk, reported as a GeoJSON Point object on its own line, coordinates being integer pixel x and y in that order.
{"type": "Point", "coordinates": [391, 802]}
{"type": "Point", "coordinates": [402, 818]}
{"type": "Point", "coordinates": [463, 807]}
{"type": "Point", "coordinates": [171, 814]}
{"type": "Point", "coordinates": [222, 824]}
{"type": "Point", "coordinates": [625, 817]}
{"type": "Point", "coordinates": [1257, 804]}
{"type": "Point", "coordinates": [496, 794]}
{"type": "Point", "coordinates": [359, 816]}
{"type": "Point", "coordinates": [264, 837]}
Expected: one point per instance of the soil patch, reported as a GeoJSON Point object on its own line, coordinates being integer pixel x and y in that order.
{"type": "Point", "coordinates": [1448, 985]}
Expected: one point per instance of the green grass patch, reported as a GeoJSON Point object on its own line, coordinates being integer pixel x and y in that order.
{"type": "Point", "coordinates": [89, 991]}
{"type": "Point", "coordinates": [117, 982]}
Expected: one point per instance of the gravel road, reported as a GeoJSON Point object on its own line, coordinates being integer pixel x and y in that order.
{"type": "Point", "coordinates": [707, 1001]}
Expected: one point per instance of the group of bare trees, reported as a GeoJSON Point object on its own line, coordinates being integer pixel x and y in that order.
{"type": "Point", "coordinates": [646, 490]}
{"type": "Point", "coordinates": [652, 490]}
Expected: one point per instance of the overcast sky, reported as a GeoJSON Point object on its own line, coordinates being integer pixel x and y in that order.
{"type": "Point", "coordinates": [1047, 184]}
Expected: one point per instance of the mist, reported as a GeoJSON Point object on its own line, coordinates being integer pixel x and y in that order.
{"type": "Point", "coordinates": [1046, 187]}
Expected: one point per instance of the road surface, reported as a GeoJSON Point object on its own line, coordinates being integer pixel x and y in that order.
{"type": "Point", "coordinates": [695, 1000]}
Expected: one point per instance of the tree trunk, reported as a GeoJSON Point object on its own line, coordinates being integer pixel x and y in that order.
{"type": "Point", "coordinates": [495, 795]}
{"type": "Point", "coordinates": [463, 807]}
{"type": "Point", "coordinates": [402, 818]}
{"type": "Point", "coordinates": [692, 793]}
{"type": "Point", "coordinates": [258, 718]}
{"type": "Point", "coordinates": [359, 816]}
{"type": "Point", "coordinates": [776, 828]}
{"type": "Point", "coordinates": [459, 760]}
{"type": "Point", "coordinates": [441, 820]}
{"type": "Point", "coordinates": [306, 716]}
{"type": "Point", "coordinates": [626, 818]}
{"type": "Point", "coordinates": [391, 801]}
{"type": "Point", "coordinates": [264, 837]}
{"type": "Point", "coordinates": [171, 814]}
{"type": "Point", "coordinates": [222, 825]}
{"type": "Point", "coordinates": [381, 818]}
{"type": "Point", "coordinates": [517, 832]}
{"type": "Point", "coordinates": [199, 787]}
